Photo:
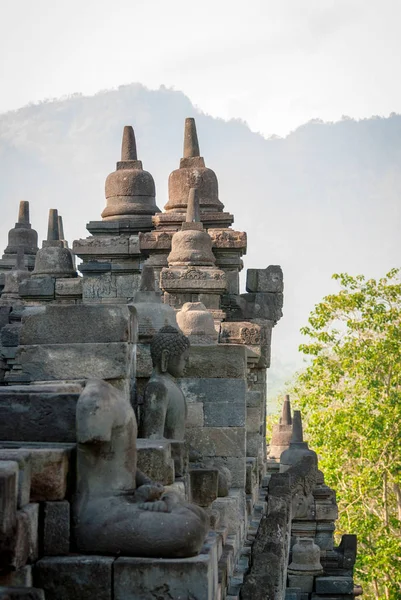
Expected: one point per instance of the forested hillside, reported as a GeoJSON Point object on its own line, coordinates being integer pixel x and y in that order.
{"type": "Point", "coordinates": [325, 199]}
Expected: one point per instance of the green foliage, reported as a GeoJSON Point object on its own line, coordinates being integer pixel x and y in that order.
{"type": "Point", "coordinates": [350, 397]}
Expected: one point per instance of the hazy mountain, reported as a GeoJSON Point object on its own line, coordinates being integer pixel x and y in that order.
{"type": "Point", "coordinates": [324, 199]}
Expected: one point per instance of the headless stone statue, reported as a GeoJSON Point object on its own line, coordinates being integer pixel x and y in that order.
{"type": "Point", "coordinates": [164, 409]}
{"type": "Point", "coordinates": [117, 510]}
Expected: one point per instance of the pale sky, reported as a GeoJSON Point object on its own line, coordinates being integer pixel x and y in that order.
{"type": "Point", "coordinates": [273, 63]}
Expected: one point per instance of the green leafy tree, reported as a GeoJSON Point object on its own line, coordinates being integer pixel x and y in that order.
{"type": "Point", "coordinates": [350, 396]}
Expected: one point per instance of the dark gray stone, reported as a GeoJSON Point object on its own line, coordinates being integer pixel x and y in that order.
{"type": "Point", "coordinates": [72, 324]}
{"type": "Point", "coordinates": [150, 579]}
{"type": "Point", "coordinates": [263, 305]}
{"type": "Point", "coordinates": [37, 416]}
{"type": "Point", "coordinates": [94, 267]}
{"type": "Point", "coordinates": [9, 334]}
{"type": "Point", "coordinates": [75, 577]}
{"type": "Point", "coordinates": [22, 457]}
{"type": "Point", "coordinates": [31, 511]}
{"type": "Point", "coordinates": [224, 414]}
{"type": "Point", "coordinates": [56, 528]}
{"type": "Point", "coordinates": [204, 486]}
{"type": "Point", "coordinates": [4, 315]}
{"type": "Point", "coordinates": [8, 495]}
{"type": "Point", "coordinates": [220, 361]}
{"type": "Point", "coordinates": [21, 593]}
{"type": "Point", "coordinates": [334, 585]}
{"type": "Point", "coordinates": [38, 287]}
{"type": "Point", "coordinates": [265, 280]}
{"type": "Point", "coordinates": [217, 441]}
{"type": "Point", "coordinates": [214, 390]}
{"type": "Point", "coordinates": [52, 362]}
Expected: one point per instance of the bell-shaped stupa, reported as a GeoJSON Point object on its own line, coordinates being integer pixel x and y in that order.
{"type": "Point", "coordinates": [282, 432]}
{"type": "Point", "coordinates": [192, 245]}
{"type": "Point", "coordinates": [193, 174]}
{"type": "Point", "coordinates": [192, 274]}
{"type": "Point", "coordinates": [54, 259]}
{"type": "Point", "coordinates": [21, 238]}
{"type": "Point", "coordinates": [298, 448]}
{"type": "Point", "coordinates": [10, 295]}
{"type": "Point", "coordinates": [130, 191]}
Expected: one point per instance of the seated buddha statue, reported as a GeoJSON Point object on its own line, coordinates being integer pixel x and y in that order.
{"type": "Point", "coordinates": [164, 408]}
{"type": "Point", "coordinates": [117, 510]}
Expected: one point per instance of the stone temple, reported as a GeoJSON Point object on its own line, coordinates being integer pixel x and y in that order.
{"type": "Point", "coordinates": [133, 454]}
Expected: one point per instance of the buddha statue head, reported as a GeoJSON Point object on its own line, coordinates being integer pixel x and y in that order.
{"type": "Point", "coordinates": [169, 350]}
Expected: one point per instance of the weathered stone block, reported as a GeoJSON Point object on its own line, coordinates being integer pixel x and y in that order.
{"type": "Point", "coordinates": [8, 495]}
{"type": "Point", "coordinates": [219, 441]}
{"type": "Point", "coordinates": [143, 361]}
{"type": "Point", "coordinates": [265, 280]}
{"type": "Point", "coordinates": [9, 334]}
{"type": "Point", "coordinates": [127, 284]}
{"type": "Point", "coordinates": [38, 415]}
{"type": "Point", "coordinates": [326, 512]}
{"type": "Point", "coordinates": [22, 457]}
{"type": "Point", "coordinates": [230, 512]}
{"type": "Point", "coordinates": [254, 398]}
{"type": "Point", "coordinates": [99, 287]}
{"type": "Point", "coordinates": [56, 528]}
{"type": "Point", "coordinates": [32, 513]}
{"type": "Point", "coordinates": [69, 288]}
{"type": "Point", "coordinates": [49, 473]}
{"type": "Point", "coordinates": [78, 323]}
{"type": "Point", "coordinates": [220, 361]}
{"type": "Point", "coordinates": [41, 288]}
{"type": "Point", "coordinates": [21, 593]}
{"type": "Point", "coordinates": [21, 542]}
{"type": "Point", "coordinates": [180, 579]}
{"type": "Point", "coordinates": [324, 537]}
{"type": "Point", "coordinates": [179, 454]}
{"type": "Point", "coordinates": [204, 486]}
{"type": "Point", "coordinates": [75, 361]}
{"type": "Point", "coordinates": [79, 577]}
{"type": "Point", "coordinates": [224, 414]}
{"type": "Point", "coordinates": [195, 416]}
{"type": "Point", "coordinates": [254, 443]}
{"type": "Point", "coordinates": [253, 419]}
{"type": "Point", "coordinates": [334, 585]}
{"type": "Point", "coordinates": [236, 466]}
{"type": "Point", "coordinates": [22, 577]}
{"type": "Point", "coordinates": [264, 305]}
{"type": "Point", "coordinates": [4, 315]}
{"type": "Point", "coordinates": [103, 246]}
{"type": "Point", "coordinates": [154, 459]}
{"type": "Point", "coordinates": [213, 390]}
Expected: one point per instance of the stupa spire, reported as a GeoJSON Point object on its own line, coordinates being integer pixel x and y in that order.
{"type": "Point", "coordinates": [191, 144]}
{"type": "Point", "coordinates": [193, 173]}
{"type": "Point", "coordinates": [286, 418]}
{"type": "Point", "coordinates": [128, 146]}
{"type": "Point", "coordinates": [23, 213]}
{"type": "Point", "coordinates": [298, 448]}
{"type": "Point", "coordinates": [60, 227]}
{"type": "Point", "coordinates": [52, 226]}
{"type": "Point", "coordinates": [297, 431]}
{"type": "Point", "coordinates": [193, 210]}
